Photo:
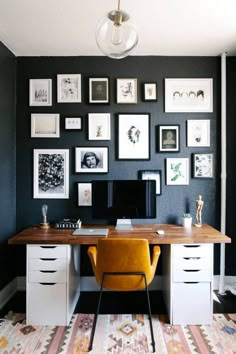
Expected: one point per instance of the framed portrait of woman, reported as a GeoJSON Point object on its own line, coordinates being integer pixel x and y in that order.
{"type": "Point", "coordinates": [168, 138]}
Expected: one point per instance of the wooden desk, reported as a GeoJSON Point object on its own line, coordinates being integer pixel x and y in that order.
{"type": "Point", "coordinates": [53, 275]}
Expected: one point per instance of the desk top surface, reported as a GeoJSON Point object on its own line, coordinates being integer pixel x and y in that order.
{"type": "Point", "coordinates": [173, 234]}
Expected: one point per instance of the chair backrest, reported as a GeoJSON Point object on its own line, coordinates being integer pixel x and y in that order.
{"type": "Point", "coordinates": [123, 255]}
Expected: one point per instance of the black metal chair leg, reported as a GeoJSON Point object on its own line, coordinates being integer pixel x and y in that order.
{"type": "Point", "coordinates": [90, 347]}
{"type": "Point", "coordinates": [150, 315]}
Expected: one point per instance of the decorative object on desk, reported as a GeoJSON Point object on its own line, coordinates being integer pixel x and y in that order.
{"type": "Point", "coordinates": [150, 91]}
{"type": "Point", "coordinates": [198, 133]}
{"type": "Point", "coordinates": [203, 165]}
{"type": "Point", "coordinates": [69, 88]}
{"type": "Point", "coordinates": [187, 220]}
{"type": "Point", "coordinates": [152, 174]}
{"type": "Point", "coordinates": [98, 90]}
{"type": "Point", "coordinates": [168, 138]}
{"type": "Point", "coordinates": [40, 92]}
{"type": "Point", "coordinates": [91, 159]}
{"type": "Point", "coordinates": [68, 224]}
{"type": "Point", "coordinates": [199, 207]}
{"type": "Point", "coordinates": [45, 125]}
{"type": "Point", "coordinates": [73, 123]}
{"type": "Point", "coordinates": [44, 224]}
{"type": "Point", "coordinates": [177, 171]}
{"type": "Point", "coordinates": [51, 173]}
{"type": "Point", "coordinates": [126, 91]}
{"type": "Point", "coordinates": [99, 126]}
{"type": "Point", "coordinates": [84, 193]}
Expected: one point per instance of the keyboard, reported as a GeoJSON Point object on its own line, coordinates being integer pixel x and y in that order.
{"type": "Point", "coordinates": [91, 232]}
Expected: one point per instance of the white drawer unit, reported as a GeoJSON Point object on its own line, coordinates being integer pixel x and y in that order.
{"type": "Point", "coordinates": [53, 286]}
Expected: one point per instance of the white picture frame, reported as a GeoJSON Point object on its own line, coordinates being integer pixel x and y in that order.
{"type": "Point", "coordinates": [69, 88]}
{"type": "Point", "coordinates": [203, 165]}
{"type": "Point", "coordinates": [177, 171]}
{"type": "Point", "coordinates": [99, 126]}
{"type": "Point", "coordinates": [73, 123]}
{"type": "Point", "coordinates": [198, 133]}
{"type": "Point", "coordinates": [45, 125]}
{"type": "Point", "coordinates": [150, 91]}
{"type": "Point", "coordinates": [51, 174]}
{"type": "Point", "coordinates": [127, 91]}
{"type": "Point", "coordinates": [91, 159]}
{"type": "Point", "coordinates": [152, 175]}
{"type": "Point", "coordinates": [84, 194]}
{"type": "Point", "coordinates": [40, 92]}
{"type": "Point", "coordinates": [168, 139]}
{"type": "Point", "coordinates": [188, 95]}
{"type": "Point", "coordinates": [98, 90]}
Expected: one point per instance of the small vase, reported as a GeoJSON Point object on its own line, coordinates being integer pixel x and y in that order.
{"type": "Point", "coordinates": [187, 222]}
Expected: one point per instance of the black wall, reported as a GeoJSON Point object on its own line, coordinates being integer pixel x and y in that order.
{"type": "Point", "coordinates": [7, 162]}
{"type": "Point", "coordinates": [174, 199]}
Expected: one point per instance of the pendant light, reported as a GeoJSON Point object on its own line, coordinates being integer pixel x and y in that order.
{"type": "Point", "coordinates": [115, 36]}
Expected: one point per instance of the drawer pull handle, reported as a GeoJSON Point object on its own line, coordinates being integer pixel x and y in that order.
{"type": "Point", "coordinates": [191, 270]}
{"type": "Point", "coordinates": [48, 271]}
{"type": "Point", "coordinates": [47, 283]}
{"type": "Point", "coordinates": [188, 258]}
{"type": "Point", "coordinates": [47, 259]}
{"type": "Point", "coordinates": [192, 246]}
{"type": "Point", "coordinates": [48, 246]}
{"type": "Point", "coordinates": [191, 282]}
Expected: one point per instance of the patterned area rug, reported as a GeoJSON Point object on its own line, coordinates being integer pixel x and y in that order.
{"type": "Point", "coordinates": [117, 334]}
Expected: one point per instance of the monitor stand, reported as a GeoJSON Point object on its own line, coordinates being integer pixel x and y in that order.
{"type": "Point", "coordinates": [123, 224]}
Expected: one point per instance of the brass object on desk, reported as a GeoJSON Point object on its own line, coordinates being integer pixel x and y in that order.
{"type": "Point", "coordinates": [44, 224]}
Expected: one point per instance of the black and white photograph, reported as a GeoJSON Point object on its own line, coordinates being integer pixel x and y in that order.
{"type": "Point", "coordinates": [91, 159]}
{"type": "Point", "coordinates": [45, 125]}
{"type": "Point", "coordinates": [168, 138]}
{"type": "Point", "coordinates": [188, 95]}
{"type": "Point", "coordinates": [133, 136]}
{"type": "Point", "coordinates": [84, 193]}
{"type": "Point", "coordinates": [69, 88]}
{"type": "Point", "coordinates": [150, 91]}
{"type": "Point", "coordinates": [127, 91]}
{"type": "Point", "coordinates": [153, 175]}
{"type": "Point", "coordinates": [40, 92]}
{"type": "Point", "coordinates": [98, 90]}
{"type": "Point", "coordinates": [99, 126]}
{"type": "Point", "coordinates": [51, 174]}
{"type": "Point", "coordinates": [203, 165]}
{"type": "Point", "coordinates": [198, 133]}
{"type": "Point", "coordinates": [73, 123]}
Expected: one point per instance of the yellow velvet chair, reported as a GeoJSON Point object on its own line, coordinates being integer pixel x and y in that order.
{"type": "Point", "coordinates": [123, 264]}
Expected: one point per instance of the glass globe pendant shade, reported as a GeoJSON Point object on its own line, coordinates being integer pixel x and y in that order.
{"type": "Point", "coordinates": [115, 36]}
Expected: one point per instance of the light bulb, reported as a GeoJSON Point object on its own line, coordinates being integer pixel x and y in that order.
{"type": "Point", "coordinates": [116, 36]}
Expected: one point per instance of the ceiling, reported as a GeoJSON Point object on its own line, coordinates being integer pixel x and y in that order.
{"type": "Point", "coordinates": [165, 27]}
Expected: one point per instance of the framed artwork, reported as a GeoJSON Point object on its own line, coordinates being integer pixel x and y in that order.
{"type": "Point", "coordinates": [99, 126]}
{"type": "Point", "coordinates": [198, 133]}
{"type": "Point", "coordinates": [69, 88]}
{"type": "Point", "coordinates": [203, 165]}
{"type": "Point", "coordinates": [168, 138]}
{"type": "Point", "coordinates": [150, 91]}
{"type": "Point", "coordinates": [84, 194]}
{"type": "Point", "coordinates": [126, 90]}
{"type": "Point", "coordinates": [188, 95]}
{"type": "Point", "coordinates": [98, 90]}
{"type": "Point", "coordinates": [152, 174]}
{"type": "Point", "coordinates": [133, 136]}
{"type": "Point", "coordinates": [40, 92]}
{"type": "Point", "coordinates": [73, 123]}
{"type": "Point", "coordinates": [45, 125]}
{"type": "Point", "coordinates": [51, 173]}
{"type": "Point", "coordinates": [177, 171]}
{"type": "Point", "coordinates": [91, 159]}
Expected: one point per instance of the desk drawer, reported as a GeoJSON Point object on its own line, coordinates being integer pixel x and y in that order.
{"type": "Point", "coordinates": [187, 263]}
{"type": "Point", "coordinates": [202, 250]}
{"type": "Point", "coordinates": [180, 275]}
{"type": "Point", "coordinates": [47, 251]}
{"type": "Point", "coordinates": [47, 264]}
{"type": "Point", "coordinates": [38, 276]}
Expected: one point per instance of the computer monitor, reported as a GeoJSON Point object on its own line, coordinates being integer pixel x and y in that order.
{"type": "Point", "coordinates": [123, 200]}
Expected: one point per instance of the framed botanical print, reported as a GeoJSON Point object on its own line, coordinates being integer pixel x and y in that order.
{"type": "Point", "coordinates": [152, 174]}
{"type": "Point", "coordinates": [91, 159]}
{"type": "Point", "coordinates": [98, 90]}
{"type": "Point", "coordinates": [99, 126]}
{"type": "Point", "coordinates": [133, 136]}
{"type": "Point", "coordinates": [40, 92]}
{"type": "Point", "coordinates": [198, 133]}
{"type": "Point", "coordinates": [126, 90]}
{"type": "Point", "coordinates": [45, 125]}
{"type": "Point", "coordinates": [84, 193]}
{"type": "Point", "coordinates": [51, 173]}
{"type": "Point", "coordinates": [168, 138]}
{"type": "Point", "coordinates": [202, 165]}
{"type": "Point", "coordinates": [177, 171]}
{"type": "Point", "coordinates": [150, 91]}
{"type": "Point", "coordinates": [69, 88]}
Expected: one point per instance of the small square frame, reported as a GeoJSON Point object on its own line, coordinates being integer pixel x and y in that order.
{"type": "Point", "coordinates": [203, 165]}
{"type": "Point", "coordinates": [99, 154]}
{"type": "Point", "coordinates": [69, 88]}
{"type": "Point", "coordinates": [198, 133]}
{"type": "Point", "coordinates": [73, 123]}
{"type": "Point", "coordinates": [84, 194]}
{"type": "Point", "coordinates": [177, 171]}
{"type": "Point", "coordinates": [99, 126]}
{"type": "Point", "coordinates": [40, 92]}
{"type": "Point", "coordinates": [150, 91]}
{"type": "Point", "coordinates": [99, 90]}
{"type": "Point", "coordinates": [127, 91]}
{"type": "Point", "coordinates": [51, 174]}
{"type": "Point", "coordinates": [133, 136]}
{"type": "Point", "coordinates": [155, 175]}
{"type": "Point", "coordinates": [45, 125]}
{"type": "Point", "coordinates": [168, 138]}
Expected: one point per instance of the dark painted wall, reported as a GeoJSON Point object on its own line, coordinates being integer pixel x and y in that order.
{"type": "Point", "coordinates": [174, 199]}
{"type": "Point", "coordinates": [7, 162]}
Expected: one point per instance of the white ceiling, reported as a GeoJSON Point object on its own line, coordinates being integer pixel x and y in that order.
{"type": "Point", "coordinates": [165, 27]}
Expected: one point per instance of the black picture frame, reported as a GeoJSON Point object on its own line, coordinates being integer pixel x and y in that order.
{"type": "Point", "coordinates": [155, 175]}
{"type": "Point", "coordinates": [168, 138]}
{"type": "Point", "coordinates": [99, 90]}
{"type": "Point", "coordinates": [203, 165]}
{"type": "Point", "coordinates": [150, 92]}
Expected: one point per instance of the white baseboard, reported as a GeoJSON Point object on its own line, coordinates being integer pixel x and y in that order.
{"type": "Point", "coordinates": [90, 284]}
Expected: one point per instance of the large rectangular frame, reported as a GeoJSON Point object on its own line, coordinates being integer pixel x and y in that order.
{"type": "Point", "coordinates": [98, 159]}
{"type": "Point", "coordinates": [188, 95]}
{"type": "Point", "coordinates": [51, 174]}
{"type": "Point", "coordinates": [44, 125]}
{"type": "Point", "coordinates": [69, 88]}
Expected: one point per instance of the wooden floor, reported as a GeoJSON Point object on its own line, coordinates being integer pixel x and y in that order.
{"type": "Point", "coordinates": [115, 302]}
